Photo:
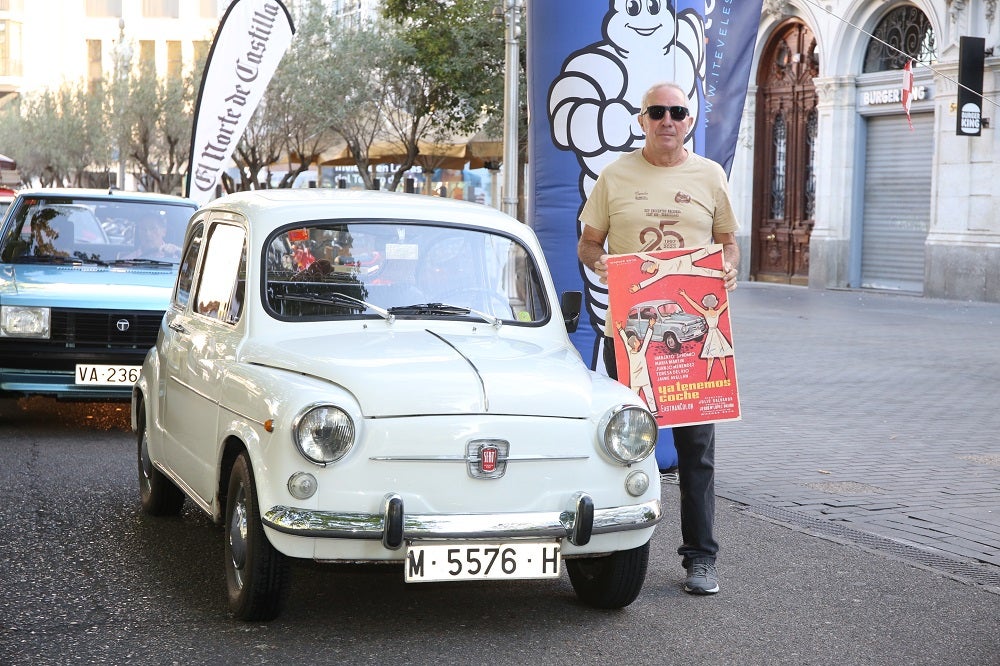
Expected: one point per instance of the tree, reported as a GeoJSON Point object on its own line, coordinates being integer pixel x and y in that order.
{"type": "Point", "coordinates": [58, 136]}
{"type": "Point", "coordinates": [71, 136]}
{"type": "Point", "coordinates": [348, 77]}
{"type": "Point", "coordinates": [158, 116]}
{"type": "Point", "coordinates": [462, 59]}
{"type": "Point", "coordinates": [458, 45]}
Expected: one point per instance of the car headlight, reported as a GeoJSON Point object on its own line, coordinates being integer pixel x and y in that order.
{"type": "Point", "coordinates": [628, 434]}
{"type": "Point", "coordinates": [323, 434]}
{"type": "Point", "coordinates": [18, 321]}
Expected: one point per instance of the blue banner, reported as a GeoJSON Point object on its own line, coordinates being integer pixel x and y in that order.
{"type": "Point", "coordinates": [589, 64]}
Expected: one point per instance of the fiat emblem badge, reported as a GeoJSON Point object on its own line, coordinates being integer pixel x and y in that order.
{"type": "Point", "coordinates": [488, 459]}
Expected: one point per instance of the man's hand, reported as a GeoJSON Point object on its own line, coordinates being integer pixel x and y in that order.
{"type": "Point", "coordinates": [601, 268]}
{"type": "Point", "coordinates": [729, 276]}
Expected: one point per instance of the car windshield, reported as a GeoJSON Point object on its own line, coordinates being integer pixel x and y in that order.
{"type": "Point", "coordinates": [403, 270]}
{"type": "Point", "coordinates": [103, 231]}
{"type": "Point", "coordinates": [668, 309]}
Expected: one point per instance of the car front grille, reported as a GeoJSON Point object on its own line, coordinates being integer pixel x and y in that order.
{"type": "Point", "coordinates": [105, 329]}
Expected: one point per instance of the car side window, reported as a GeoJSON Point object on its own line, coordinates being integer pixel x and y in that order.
{"type": "Point", "coordinates": [185, 276]}
{"type": "Point", "coordinates": [219, 294]}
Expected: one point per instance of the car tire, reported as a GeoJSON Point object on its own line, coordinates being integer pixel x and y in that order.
{"type": "Point", "coordinates": [157, 494]}
{"type": "Point", "coordinates": [256, 573]}
{"type": "Point", "coordinates": [672, 343]}
{"type": "Point", "coordinates": [611, 581]}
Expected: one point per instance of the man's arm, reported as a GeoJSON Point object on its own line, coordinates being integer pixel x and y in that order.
{"type": "Point", "coordinates": [590, 250]}
{"type": "Point", "coordinates": [730, 258]}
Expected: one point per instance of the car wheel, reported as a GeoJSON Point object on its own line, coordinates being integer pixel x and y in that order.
{"type": "Point", "coordinates": [256, 573]}
{"type": "Point", "coordinates": [157, 494]}
{"type": "Point", "coordinates": [672, 343]}
{"type": "Point", "coordinates": [612, 581]}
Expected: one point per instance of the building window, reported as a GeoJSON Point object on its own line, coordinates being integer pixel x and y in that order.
{"type": "Point", "coordinates": [175, 64]}
{"type": "Point", "coordinates": [201, 49]}
{"type": "Point", "coordinates": [95, 63]}
{"type": "Point", "coordinates": [147, 55]}
{"type": "Point", "coordinates": [778, 179]}
{"type": "Point", "coordinates": [904, 29]}
{"type": "Point", "coordinates": [10, 48]}
{"type": "Point", "coordinates": [104, 8]}
{"type": "Point", "coordinates": [809, 192]}
{"type": "Point", "coordinates": [160, 9]}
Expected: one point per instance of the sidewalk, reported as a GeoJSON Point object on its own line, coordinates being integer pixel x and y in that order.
{"type": "Point", "coordinates": [870, 418]}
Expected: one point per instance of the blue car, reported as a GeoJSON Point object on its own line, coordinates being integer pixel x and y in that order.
{"type": "Point", "coordinates": [85, 276]}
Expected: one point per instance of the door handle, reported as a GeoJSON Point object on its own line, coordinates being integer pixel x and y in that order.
{"type": "Point", "coordinates": [174, 326]}
{"type": "Point", "coordinates": [770, 237]}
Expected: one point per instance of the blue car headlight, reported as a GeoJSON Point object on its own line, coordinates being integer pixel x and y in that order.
{"type": "Point", "coordinates": [18, 321]}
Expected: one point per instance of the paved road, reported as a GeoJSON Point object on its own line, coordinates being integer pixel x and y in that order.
{"type": "Point", "coordinates": [858, 522]}
{"type": "Point", "coordinates": [872, 418]}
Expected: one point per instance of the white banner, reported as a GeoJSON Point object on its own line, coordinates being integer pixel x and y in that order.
{"type": "Point", "coordinates": [251, 40]}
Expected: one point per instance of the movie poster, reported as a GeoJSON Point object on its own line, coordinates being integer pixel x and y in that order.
{"type": "Point", "coordinates": [672, 333]}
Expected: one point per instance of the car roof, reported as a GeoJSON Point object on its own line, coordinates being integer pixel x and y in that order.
{"type": "Point", "coordinates": [262, 207]}
{"type": "Point", "coordinates": [112, 195]}
{"type": "Point", "coordinates": [659, 301]}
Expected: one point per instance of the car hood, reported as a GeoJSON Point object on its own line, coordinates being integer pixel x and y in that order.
{"type": "Point", "coordinates": [423, 372]}
{"type": "Point", "coordinates": [682, 318]}
{"type": "Point", "coordinates": [87, 286]}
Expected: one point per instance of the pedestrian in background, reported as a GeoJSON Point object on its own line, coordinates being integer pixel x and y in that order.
{"type": "Point", "coordinates": [668, 193]}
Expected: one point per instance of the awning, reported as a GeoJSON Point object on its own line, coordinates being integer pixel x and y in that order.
{"type": "Point", "coordinates": [474, 152]}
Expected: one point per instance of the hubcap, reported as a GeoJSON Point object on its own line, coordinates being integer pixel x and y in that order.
{"type": "Point", "coordinates": [146, 464]}
{"type": "Point", "coordinates": [238, 536]}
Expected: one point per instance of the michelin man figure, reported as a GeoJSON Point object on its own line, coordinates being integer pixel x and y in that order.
{"type": "Point", "coordinates": [593, 104]}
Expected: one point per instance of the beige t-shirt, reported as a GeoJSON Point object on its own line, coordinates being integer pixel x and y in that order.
{"type": "Point", "coordinates": [645, 208]}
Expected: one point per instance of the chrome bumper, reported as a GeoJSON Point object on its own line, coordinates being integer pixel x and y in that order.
{"type": "Point", "coordinates": [393, 526]}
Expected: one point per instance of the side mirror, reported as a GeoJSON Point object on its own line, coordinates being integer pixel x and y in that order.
{"type": "Point", "coordinates": [571, 304]}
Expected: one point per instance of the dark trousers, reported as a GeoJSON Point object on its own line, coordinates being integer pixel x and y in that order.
{"type": "Point", "coordinates": [696, 474]}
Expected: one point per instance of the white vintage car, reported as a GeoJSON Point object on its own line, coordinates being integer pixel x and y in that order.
{"type": "Point", "coordinates": [380, 377]}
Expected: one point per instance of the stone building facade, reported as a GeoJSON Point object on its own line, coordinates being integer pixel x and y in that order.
{"type": "Point", "coordinates": [836, 187]}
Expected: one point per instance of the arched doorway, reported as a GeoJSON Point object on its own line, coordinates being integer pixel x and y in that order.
{"type": "Point", "coordinates": [784, 199]}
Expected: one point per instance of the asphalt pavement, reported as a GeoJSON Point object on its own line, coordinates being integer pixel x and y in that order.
{"type": "Point", "coordinates": [859, 519]}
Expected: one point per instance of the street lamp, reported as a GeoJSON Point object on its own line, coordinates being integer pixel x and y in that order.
{"type": "Point", "coordinates": [123, 62]}
{"type": "Point", "coordinates": [512, 33]}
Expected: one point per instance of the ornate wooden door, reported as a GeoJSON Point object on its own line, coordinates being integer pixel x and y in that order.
{"type": "Point", "coordinates": [784, 201]}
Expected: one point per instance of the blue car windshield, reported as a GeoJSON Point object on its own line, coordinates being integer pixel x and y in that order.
{"type": "Point", "coordinates": [63, 229]}
{"type": "Point", "coordinates": [333, 270]}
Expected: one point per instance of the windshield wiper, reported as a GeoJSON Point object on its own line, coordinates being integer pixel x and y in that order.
{"type": "Point", "coordinates": [443, 309]}
{"type": "Point", "coordinates": [45, 259]}
{"type": "Point", "coordinates": [341, 299]}
{"type": "Point", "coordinates": [144, 262]}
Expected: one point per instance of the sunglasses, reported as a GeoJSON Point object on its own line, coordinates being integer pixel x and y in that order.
{"type": "Point", "coordinates": [657, 111]}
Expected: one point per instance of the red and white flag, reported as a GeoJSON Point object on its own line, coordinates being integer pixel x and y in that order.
{"type": "Point", "coordinates": [907, 90]}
